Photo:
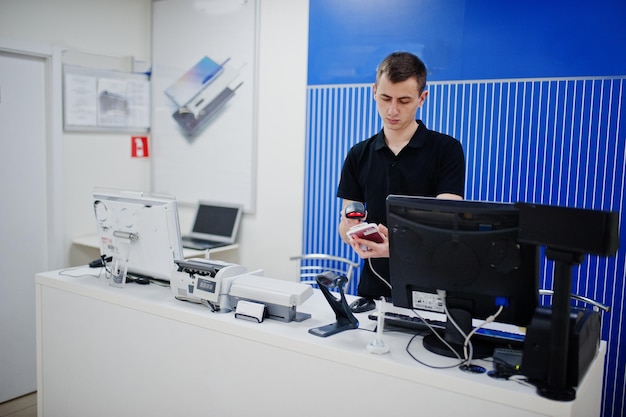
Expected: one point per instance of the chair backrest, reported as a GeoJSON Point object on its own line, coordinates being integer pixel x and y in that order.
{"type": "Point", "coordinates": [597, 306]}
{"type": "Point", "coordinates": [313, 264]}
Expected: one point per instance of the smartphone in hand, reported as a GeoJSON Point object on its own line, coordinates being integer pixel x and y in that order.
{"type": "Point", "coordinates": [367, 231]}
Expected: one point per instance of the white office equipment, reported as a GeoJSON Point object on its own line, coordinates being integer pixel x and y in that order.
{"type": "Point", "coordinates": [250, 310]}
{"type": "Point", "coordinates": [221, 286]}
{"type": "Point", "coordinates": [378, 346]}
{"type": "Point", "coordinates": [139, 230]}
{"type": "Point", "coordinates": [203, 281]}
{"type": "Point", "coordinates": [280, 297]}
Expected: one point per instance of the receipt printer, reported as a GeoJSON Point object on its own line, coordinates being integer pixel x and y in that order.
{"type": "Point", "coordinates": [584, 341]}
{"type": "Point", "coordinates": [205, 281]}
{"type": "Point", "coordinates": [280, 297]}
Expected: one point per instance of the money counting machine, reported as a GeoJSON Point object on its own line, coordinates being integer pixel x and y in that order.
{"type": "Point", "coordinates": [222, 286]}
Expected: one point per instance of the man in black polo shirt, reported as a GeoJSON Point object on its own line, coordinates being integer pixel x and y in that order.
{"type": "Point", "coordinates": [404, 158]}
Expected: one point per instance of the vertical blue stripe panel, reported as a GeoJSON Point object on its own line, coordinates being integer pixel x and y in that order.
{"type": "Point", "coordinates": [549, 141]}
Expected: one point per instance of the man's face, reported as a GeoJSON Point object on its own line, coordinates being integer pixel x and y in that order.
{"type": "Point", "coordinates": [397, 103]}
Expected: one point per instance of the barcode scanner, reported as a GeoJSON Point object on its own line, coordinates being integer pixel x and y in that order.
{"type": "Point", "coordinates": [345, 319]}
{"type": "Point", "coordinates": [355, 210]}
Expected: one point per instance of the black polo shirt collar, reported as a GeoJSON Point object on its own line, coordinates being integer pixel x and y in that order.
{"type": "Point", "coordinates": [417, 140]}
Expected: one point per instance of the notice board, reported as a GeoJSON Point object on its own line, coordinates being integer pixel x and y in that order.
{"type": "Point", "coordinates": [105, 100]}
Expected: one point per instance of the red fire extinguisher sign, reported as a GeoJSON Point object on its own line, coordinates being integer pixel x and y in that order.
{"type": "Point", "coordinates": [139, 146]}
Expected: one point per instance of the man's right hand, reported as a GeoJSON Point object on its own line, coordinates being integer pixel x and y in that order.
{"type": "Point", "coordinates": [346, 223]}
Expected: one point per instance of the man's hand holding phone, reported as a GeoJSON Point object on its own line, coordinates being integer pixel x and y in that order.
{"type": "Point", "coordinates": [369, 240]}
{"type": "Point", "coordinates": [367, 231]}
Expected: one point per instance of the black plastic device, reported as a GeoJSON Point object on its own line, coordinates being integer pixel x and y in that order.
{"type": "Point", "coordinates": [345, 318]}
{"type": "Point", "coordinates": [584, 340]}
{"type": "Point", "coordinates": [355, 210]}
{"type": "Point", "coordinates": [100, 262]}
{"type": "Point", "coordinates": [568, 235]}
{"type": "Point", "coordinates": [467, 251]}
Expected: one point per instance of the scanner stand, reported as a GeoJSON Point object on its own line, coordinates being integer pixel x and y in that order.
{"type": "Point", "coordinates": [345, 318]}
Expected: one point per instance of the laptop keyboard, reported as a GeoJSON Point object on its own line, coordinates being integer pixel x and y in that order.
{"type": "Point", "coordinates": [194, 243]}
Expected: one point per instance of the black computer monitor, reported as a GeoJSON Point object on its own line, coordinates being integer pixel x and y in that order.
{"type": "Point", "coordinates": [140, 231]}
{"type": "Point", "coordinates": [470, 250]}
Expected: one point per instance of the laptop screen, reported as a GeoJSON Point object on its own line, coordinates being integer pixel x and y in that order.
{"type": "Point", "coordinates": [218, 222]}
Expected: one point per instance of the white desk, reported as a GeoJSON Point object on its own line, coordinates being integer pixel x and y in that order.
{"type": "Point", "coordinates": [136, 351]}
{"type": "Point", "coordinates": [91, 242]}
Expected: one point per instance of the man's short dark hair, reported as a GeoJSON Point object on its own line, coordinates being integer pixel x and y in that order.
{"type": "Point", "coordinates": [400, 66]}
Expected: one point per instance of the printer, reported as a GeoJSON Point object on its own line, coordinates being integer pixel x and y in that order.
{"type": "Point", "coordinates": [221, 286]}
{"type": "Point", "coordinates": [280, 297]}
{"type": "Point", "coordinates": [205, 281]}
{"type": "Point", "coordinates": [584, 341]}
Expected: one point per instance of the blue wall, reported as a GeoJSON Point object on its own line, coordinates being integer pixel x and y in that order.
{"type": "Point", "coordinates": [534, 91]}
{"type": "Point", "coordinates": [481, 39]}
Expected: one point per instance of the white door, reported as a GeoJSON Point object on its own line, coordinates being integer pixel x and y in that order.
{"type": "Point", "coordinates": [23, 216]}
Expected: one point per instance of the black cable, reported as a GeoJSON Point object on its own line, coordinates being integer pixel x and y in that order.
{"type": "Point", "coordinates": [425, 364]}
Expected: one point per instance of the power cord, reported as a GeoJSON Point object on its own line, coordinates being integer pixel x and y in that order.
{"type": "Point", "coordinates": [66, 272]}
{"type": "Point", "coordinates": [369, 261]}
{"type": "Point", "coordinates": [522, 380]}
{"type": "Point", "coordinates": [467, 338]}
{"type": "Point", "coordinates": [433, 331]}
{"type": "Point", "coordinates": [426, 364]}
{"type": "Point", "coordinates": [468, 344]}
{"type": "Point", "coordinates": [468, 348]}
{"type": "Point", "coordinates": [101, 263]}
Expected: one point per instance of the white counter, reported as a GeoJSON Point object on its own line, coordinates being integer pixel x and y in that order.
{"type": "Point", "coordinates": [137, 351]}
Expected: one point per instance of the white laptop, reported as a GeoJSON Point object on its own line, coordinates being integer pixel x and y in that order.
{"type": "Point", "coordinates": [216, 224]}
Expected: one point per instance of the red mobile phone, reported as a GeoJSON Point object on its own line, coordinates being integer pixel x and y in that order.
{"type": "Point", "coordinates": [367, 231]}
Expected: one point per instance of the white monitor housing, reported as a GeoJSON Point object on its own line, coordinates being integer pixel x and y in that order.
{"type": "Point", "coordinates": [140, 231]}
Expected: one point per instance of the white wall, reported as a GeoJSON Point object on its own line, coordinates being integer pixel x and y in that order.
{"type": "Point", "coordinates": [121, 28]}
{"type": "Point", "coordinates": [275, 232]}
